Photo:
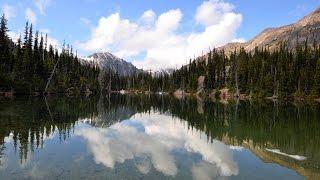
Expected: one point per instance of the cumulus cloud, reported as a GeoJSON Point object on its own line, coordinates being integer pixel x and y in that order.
{"type": "Point", "coordinates": [109, 30]}
{"type": "Point", "coordinates": [148, 18]}
{"type": "Point", "coordinates": [156, 38]}
{"type": "Point", "coordinates": [42, 5]}
{"type": "Point", "coordinates": [9, 11]}
{"type": "Point", "coordinates": [31, 16]}
{"type": "Point", "coordinates": [161, 136]}
{"type": "Point", "coordinates": [210, 12]}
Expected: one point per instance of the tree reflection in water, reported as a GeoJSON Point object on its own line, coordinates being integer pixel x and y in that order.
{"type": "Point", "coordinates": [293, 129]}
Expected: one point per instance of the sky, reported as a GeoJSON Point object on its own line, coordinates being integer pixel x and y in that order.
{"type": "Point", "coordinates": [152, 34]}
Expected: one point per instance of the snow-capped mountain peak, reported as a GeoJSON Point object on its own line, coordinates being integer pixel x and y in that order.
{"type": "Point", "coordinates": [107, 61]}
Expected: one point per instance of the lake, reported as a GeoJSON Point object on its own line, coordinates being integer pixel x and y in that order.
{"type": "Point", "coordinates": [157, 137]}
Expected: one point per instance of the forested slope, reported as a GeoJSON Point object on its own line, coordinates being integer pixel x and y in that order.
{"type": "Point", "coordinates": [26, 66]}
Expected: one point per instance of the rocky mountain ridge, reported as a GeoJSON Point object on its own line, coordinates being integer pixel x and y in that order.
{"type": "Point", "coordinates": [307, 28]}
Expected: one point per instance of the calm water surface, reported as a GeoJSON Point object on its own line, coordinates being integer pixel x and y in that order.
{"type": "Point", "coordinates": [157, 137]}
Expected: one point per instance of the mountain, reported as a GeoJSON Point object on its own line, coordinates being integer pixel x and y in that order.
{"type": "Point", "coordinates": [107, 61]}
{"type": "Point", "coordinates": [306, 28]}
{"type": "Point", "coordinates": [160, 72]}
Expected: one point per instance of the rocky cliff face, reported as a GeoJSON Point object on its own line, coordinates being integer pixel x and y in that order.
{"type": "Point", "coordinates": [308, 28]}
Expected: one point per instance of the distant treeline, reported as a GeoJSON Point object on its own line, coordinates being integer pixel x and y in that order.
{"type": "Point", "coordinates": [282, 72]}
{"type": "Point", "coordinates": [26, 66]}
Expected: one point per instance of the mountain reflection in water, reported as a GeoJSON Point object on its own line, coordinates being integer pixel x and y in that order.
{"type": "Point", "coordinates": [157, 137]}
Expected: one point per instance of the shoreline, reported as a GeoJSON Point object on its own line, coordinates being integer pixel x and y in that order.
{"type": "Point", "coordinates": [223, 95]}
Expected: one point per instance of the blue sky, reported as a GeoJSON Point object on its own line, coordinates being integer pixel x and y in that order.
{"type": "Point", "coordinates": [130, 28]}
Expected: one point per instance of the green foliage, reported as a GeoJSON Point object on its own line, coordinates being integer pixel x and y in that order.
{"type": "Point", "coordinates": [25, 67]}
{"type": "Point", "coordinates": [217, 94]}
{"type": "Point", "coordinates": [281, 72]}
{"type": "Point", "coordinates": [316, 85]}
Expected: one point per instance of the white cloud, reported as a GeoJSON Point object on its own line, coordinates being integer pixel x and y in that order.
{"type": "Point", "coordinates": [148, 17]}
{"type": "Point", "coordinates": [109, 30]}
{"type": "Point", "coordinates": [211, 12]}
{"type": "Point", "coordinates": [14, 36]}
{"type": "Point", "coordinates": [168, 21]}
{"type": "Point", "coordinates": [156, 39]}
{"type": "Point", "coordinates": [9, 11]}
{"type": "Point", "coordinates": [42, 5]}
{"type": "Point", "coordinates": [31, 16]}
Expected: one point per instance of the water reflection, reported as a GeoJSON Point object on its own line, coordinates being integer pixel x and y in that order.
{"type": "Point", "coordinates": [27, 122]}
{"type": "Point", "coordinates": [154, 137]}
{"type": "Point", "coordinates": [178, 138]}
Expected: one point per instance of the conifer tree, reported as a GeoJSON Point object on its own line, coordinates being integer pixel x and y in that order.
{"type": "Point", "coordinates": [316, 84]}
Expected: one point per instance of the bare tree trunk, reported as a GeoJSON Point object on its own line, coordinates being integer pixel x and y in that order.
{"type": "Point", "coordinates": [236, 78]}
{"type": "Point", "coordinates": [48, 108]}
{"type": "Point", "coordinates": [50, 78]}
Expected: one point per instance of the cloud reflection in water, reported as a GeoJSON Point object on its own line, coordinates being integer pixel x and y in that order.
{"type": "Point", "coordinates": [150, 139]}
